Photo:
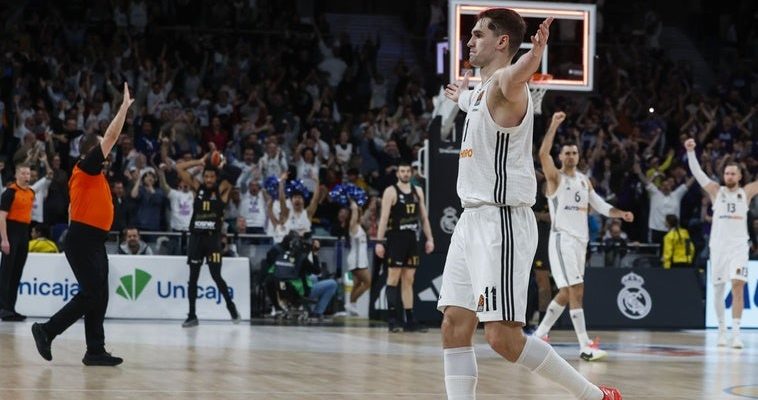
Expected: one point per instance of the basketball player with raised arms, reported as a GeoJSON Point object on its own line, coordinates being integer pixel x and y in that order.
{"type": "Point", "coordinates": [569, 194]}
{"type": "Point", "coordinates": [491, 251]}
{"type": "Point", "coordinates": [729, 242]}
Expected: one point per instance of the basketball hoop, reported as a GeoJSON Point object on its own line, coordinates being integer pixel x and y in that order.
{"type": "Point", "coordinates": [538, 90]}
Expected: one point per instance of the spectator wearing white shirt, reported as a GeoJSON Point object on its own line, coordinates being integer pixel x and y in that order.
{"type": "Point", "coordinates": [40, 187]}
{"type": "Point", "coordinates": [24, 118]}
{"type": "Point", "coordinates": [156, 98]}
{"type": "Point", "coordinates": [253, 208]}
{"type": "Point", "coordinates": [251, 170]}
{"type": "Point", "coordinates": [343, 150]}
{"type": "Point", "coordinates": [287, 215]}
{"type": "Point", "coordinates": [223, 108]}
{"type": "Point", "coordinates": [320, 147]}
{"type": "Point", "coordinates": [274, 162]}
{"type": "Point", "coordinates": [663, 201]}
{"type": "Point", "coordinates": [307, 167]}
{"type": "Point", "coordinates": [180, 204]}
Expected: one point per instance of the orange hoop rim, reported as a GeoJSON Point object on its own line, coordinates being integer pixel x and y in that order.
{"type": "Point", "coordinates": [537, 77]}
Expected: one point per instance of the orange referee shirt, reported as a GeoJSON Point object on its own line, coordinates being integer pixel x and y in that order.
{"type": "Point", "coordinates": [91, 202]}
{"type": "Point", "coordinates": [18, 202]}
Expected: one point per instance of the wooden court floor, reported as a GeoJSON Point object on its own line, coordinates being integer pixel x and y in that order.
{"type": "Point", "coordinates": [225, 361]}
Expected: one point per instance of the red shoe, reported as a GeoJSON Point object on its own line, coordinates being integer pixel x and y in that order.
{"type": "Point", "coordinates": [610, 393]}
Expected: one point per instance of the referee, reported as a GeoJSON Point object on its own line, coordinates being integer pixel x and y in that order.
{"type": "Point", "coordinates": [91, 213]}
{"type": "Point", "coordinates": [15, 216]}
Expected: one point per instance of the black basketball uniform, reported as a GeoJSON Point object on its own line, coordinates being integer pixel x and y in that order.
{"type": "Point", "coordinates": [205, 245]}
{"type": "Point", "coordinates": [402, 230]}
{"type": "Point", "coordinates": [205, 227]}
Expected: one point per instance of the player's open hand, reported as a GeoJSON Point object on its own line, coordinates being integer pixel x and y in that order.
{"type": "Point", "coordinates": [628, 216]}
{"type": "Point", "coordinates": [690, 145]}
{"type": "Point", "coordinates": [128, 100]}
{"type": "Point", "coordinates": [6, 247]}
{"type": "Point", "coordinates": [453, 90]}
{"type": "Point", "coordinates": [539, 39]}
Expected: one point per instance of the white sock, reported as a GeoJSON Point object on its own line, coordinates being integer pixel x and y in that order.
{"type": "Point", "coordinates": [719, 291]}
{"type": "Point", "coordinates": [460, 373]}
{"type": "Point", "coordinates": [735, 327]}
{"type": "Point", "coordinates": [554, 311]}
{"type": "Point", "coordinates": [541, 359]}
{"type": "Point", "coordinates": [577, 318]}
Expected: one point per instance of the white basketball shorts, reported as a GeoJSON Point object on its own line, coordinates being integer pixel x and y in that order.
{"type": "Point", "coordinates": [488, 263]}
{"type": "Point", "coordinates": [729, 262]}
{"type": "Point", "coordinates": [567, 258]}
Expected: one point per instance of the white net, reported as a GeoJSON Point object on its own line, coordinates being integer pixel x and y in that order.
{"type": "Point", "coordinates": [537, 94]}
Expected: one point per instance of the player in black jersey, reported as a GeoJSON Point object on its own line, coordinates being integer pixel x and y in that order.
{"type": "Point", "coordinates": [205, 229]}
{"type": "Point", "coordinates": [402, 207]}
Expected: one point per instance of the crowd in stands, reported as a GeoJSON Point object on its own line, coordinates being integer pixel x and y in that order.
{"type": "Point", "coordinates": [274, 93]}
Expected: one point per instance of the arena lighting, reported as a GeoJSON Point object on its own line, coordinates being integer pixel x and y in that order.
{"type": "Point", "coordinates": [651, 110]}
{"type": "Point", "coordinates": [586, 13]}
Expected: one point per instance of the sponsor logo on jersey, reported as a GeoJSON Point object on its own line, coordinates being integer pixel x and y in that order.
{"type": "Point", "coordinates": [479, 98]}
{"type": "Point", "coordinates": [575, 208]}
{"type": "Point", "coordinates": [466, 153]}
{"type": "Point", "coordinates": [480, 305]}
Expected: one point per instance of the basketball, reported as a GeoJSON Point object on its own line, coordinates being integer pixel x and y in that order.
{"type": "Point", "coordinates": [216, 158]}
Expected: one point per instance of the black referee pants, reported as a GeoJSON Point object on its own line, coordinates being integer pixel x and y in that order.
{"type": "Point", "coordinates": [85, 252]}
{"type": "Point", "coordinates": [12, 264]}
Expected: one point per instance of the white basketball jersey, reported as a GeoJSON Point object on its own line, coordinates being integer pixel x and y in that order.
{"type": "Point", "coordinates": [495, 166]}
{"type": "Point", "coordinates": [729, 218]}
{"type": "Point", "coordinates": [569, 205]}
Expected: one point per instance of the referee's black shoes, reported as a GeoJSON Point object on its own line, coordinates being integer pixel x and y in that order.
{"type": "Point", "coordinates": [42, 341]}
{"type": "Point", "coordinates": [103, 359]}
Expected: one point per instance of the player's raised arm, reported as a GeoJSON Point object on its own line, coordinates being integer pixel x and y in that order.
{"type": "Point", "coordinates": [552, 174]}
{"type": "Point", "coordinates": [513, 78]}
{"type": "Point", "coordinates": [182, 170]}
{"type": "Point", "coordinates": [751, 189]}
{"type": "Point", "coordinates": [708, 185]}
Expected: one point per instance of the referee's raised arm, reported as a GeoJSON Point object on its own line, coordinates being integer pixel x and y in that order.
{"type": "Point", "coordinates": [117, 124]}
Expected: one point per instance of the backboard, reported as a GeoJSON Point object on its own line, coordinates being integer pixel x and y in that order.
{"type": "Point", "coordinates": [569, 55]}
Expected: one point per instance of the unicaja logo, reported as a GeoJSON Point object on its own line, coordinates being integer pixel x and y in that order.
{"type": "Point", "coordinates": [633, 300]}
{"type": "Point", "coordinates": [132, 285]}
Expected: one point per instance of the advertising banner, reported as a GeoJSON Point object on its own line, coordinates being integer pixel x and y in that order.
{"type": "Point", "coordinates": [151, 287]}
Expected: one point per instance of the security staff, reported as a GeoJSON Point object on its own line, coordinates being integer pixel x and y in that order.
{"type": "Point", "coordinates": [91, 213]}
{"type": "Point", "coordinates": [205, 229]}
{"type": "Point", "coordinates": [16, 206]}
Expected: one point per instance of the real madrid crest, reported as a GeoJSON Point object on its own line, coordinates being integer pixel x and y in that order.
{"type": "Point", "coordinates": [449, 220]}
{"type": "Point", "coordinates": [633, 300]}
